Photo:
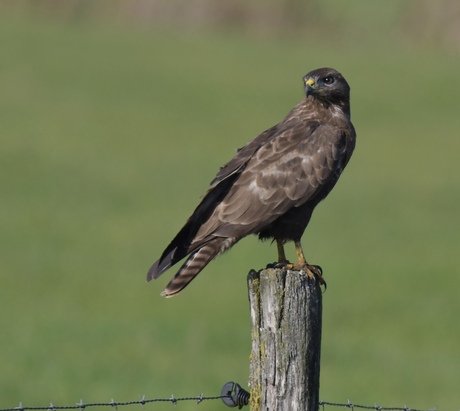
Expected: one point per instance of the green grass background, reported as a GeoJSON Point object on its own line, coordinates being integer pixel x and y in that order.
{"type": "Point", "coordinates": [109, 135]}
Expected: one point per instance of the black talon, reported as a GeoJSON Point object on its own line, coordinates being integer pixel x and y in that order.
{"type": "Point", "coordinates": [316, 269]}
{"type": "Point", "coordinates": [318, 273]}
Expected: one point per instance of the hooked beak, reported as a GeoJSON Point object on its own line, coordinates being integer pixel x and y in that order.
{"type": "Point", "coordinates": [309, 86]}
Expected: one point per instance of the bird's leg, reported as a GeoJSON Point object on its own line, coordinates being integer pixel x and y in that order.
{"type": "Point", "coordinates": [282, 260]}
{"type": "Point", "coordinates": [301, 261]}
{"type": "Point", "coordinates": [281, 255]}
{"type": "Point", "coordinates": [313, 271]}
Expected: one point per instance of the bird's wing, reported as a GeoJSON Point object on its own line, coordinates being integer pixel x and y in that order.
{"type": "Point", "coordinates": [287, 171]}
{"type": "Point", "coordinates": [220, 186]}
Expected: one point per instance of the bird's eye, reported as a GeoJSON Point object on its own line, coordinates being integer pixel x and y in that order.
{"type": "Point", "coordinates": [328, 80]}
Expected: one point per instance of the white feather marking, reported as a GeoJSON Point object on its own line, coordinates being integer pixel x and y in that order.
{"type": "Point", "coordinates": [336, 111]}
{"type": "Point", "coordinates": [253, 187]}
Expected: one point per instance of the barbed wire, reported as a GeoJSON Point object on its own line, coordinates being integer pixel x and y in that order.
{"type": "Point", "coordinates": [369, 407]}
{"type": "Point", "coordinates": [114, 404]}
{"type": "Point", "coordinates": [198, 399]}
{"type": "Point", "coordinates": [232, 395]}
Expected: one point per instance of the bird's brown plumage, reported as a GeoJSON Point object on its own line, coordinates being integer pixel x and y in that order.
{"type": "Point", "coordinates": [273, 184]}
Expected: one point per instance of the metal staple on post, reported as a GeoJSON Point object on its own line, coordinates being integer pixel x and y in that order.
{"type": "Point", "coordinates": [234, 396]}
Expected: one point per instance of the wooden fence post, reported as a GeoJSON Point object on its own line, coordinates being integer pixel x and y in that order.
{"type": "Point", "coordinates": [286, 312]}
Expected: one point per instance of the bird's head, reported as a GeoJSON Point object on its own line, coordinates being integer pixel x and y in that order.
{"type": "Point", "coordinates": [328, 86]}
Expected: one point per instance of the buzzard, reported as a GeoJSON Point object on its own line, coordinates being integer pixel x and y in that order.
{"type": "Point", "coordinates": [272, 185]}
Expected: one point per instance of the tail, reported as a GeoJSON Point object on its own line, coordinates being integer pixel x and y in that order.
{"type": "Point", "coordinates": [196, 262]}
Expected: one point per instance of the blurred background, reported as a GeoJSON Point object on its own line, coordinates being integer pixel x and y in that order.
{"type": "Point", "coordinates": [115, 115]}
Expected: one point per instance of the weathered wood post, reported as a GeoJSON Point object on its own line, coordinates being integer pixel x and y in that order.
{"type": "Point", "coordinates": [286, 312]}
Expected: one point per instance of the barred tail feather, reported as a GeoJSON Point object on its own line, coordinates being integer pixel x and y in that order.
{"type": "Point", "coordinates": [195, 263]}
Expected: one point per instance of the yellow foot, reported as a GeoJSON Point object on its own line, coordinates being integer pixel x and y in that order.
{"type": "Point", "coordinates": [313, 271]}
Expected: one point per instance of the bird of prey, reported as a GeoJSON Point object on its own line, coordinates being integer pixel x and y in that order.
{"type": "Point", "coordinates": [272, 185]}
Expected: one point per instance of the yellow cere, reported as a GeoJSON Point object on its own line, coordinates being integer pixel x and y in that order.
{"type": "Point", "coordinates": [310, 82]}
